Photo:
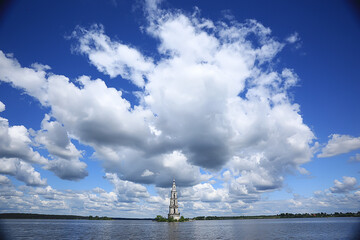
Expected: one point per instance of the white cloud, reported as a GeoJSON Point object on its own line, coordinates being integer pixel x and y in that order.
{"type": "Point", "coordinates": [348, 184]}
{"type": "Point", "coordinates": [55, 138]}
{"type": "Point", "coordinates": [47, 200]}
{"type": "Point", "coordinates": [321, 201]}
{"type": "Point", "coordinates": [96, 114]}
{"type": "Point", "coordinates": [112, 58]}
{"type": "Point", "coordinates": [127, 191]}
{"type": "Point", "coordinates": [15, 143]}
{"type": "Point", "coordinates": [72, 169]}
{"type": "Point", "coordinates": [164, 167]}
{"type": "Point", "coordinates": [31, 80]}
{"type": "Point", "coordinates": [128, 199]}
{"type": "Point", "coordinates": [203, 192]}
{"type": "Point", "coordinates": [21, 170]}
{"type": "Point", "coordinates": [16, 154]}
{"type": "Point", "coordinates": [66, 164]}
{"type": "Point", "coordinates": [147, 173]}
{"type": "Point", "coordinates": [4, 179]}
{"type": "Point", "coordinates": [2, 107]}
{"type": "Point", "coordinates": [339, 144]}
{"type": "Point", "coordinates": [293, 38]}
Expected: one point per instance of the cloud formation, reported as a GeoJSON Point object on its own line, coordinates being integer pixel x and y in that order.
{"type": "Point", "coordinates": [22, 171]}
{"type": "Point", "coordinates": [348, 184]}
{"type": "Point", "coordinates": [31, 80]}
{"type": "Point", "coordinates": [17, 155]}
{"type": "Point", "coordinates": [339, 144]}
{"type": "Point", "coordinates": [112, 58]}
{"type": "Point", "coordinates": [210, 101]}
{"type": "Point", "coordinates": [15, 142]}
{"type": "Point", "coordinates": [66, 163]}
{"type": "Point", "coordinates": [212, 107]}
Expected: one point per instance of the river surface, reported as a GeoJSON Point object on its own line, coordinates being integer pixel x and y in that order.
{"type": "Point", "coordinates": [305, 228]}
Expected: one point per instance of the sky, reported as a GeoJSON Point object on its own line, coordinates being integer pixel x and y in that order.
{"type": "Point", "coordinates": [251, 106]}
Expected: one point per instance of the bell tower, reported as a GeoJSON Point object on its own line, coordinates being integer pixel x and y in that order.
{"type": "Point", "coordinates": [174, 208]}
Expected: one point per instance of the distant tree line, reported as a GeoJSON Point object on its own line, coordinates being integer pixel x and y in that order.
{"type": "Point", "coordinates": [53, 216]}
{"type": "Point", "coordinates": [282, 215]}
{"type": "Point", "coordinates": [48, 216]}
{"type": "Point", "coordinates": [233, 217]}
{"type": "Point", "coordinates": [39, 216]}
{"type": "Point", "coordinates": [99, 218]}
{"type": "Point", "coordinates": [160, 218]}
{"type": "Point", "coordinates": [321, 214]}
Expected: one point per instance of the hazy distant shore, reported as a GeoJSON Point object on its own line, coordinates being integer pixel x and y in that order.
{"type": "Point", "coordinates": [52, 216]}
{"type": "Point", "coordinates": [282, 215]}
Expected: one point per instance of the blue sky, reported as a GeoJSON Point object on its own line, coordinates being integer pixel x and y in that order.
{"type": "Point", "coordinates": [252, 107]}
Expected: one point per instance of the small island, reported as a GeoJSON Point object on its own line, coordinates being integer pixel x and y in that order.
{"type": "Point", "coordinates": [160, 218]}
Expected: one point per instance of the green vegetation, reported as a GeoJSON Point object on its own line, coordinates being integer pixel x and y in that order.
{"type": "Point", "coordinates": [321, 214]}
{"type": "Point", "coordinates": [99, 218]}
{"type": "Point", "coordinates": [38, 216]}
{"type": "Point", "coordinates": [282, 215]}
{"type": "Point", "coordinates": [52, 216]}
{"type": "Point", "coordinates": [46, 216]}
{"type": "Point", "coordinates": [160, 218]}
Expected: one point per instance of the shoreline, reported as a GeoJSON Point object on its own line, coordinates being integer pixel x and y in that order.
{"type": "Point", "coordinates": [198, 218]}
{"type": "Point", "coordinates": [63, 217]}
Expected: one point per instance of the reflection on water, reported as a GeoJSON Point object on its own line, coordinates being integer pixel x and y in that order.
{"type": "Point", "coordinates": [315, 228]}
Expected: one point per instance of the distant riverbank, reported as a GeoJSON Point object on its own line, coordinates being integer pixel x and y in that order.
{"type": "Point", "coordinates": [51, 216]}
{"type": "Point", "coordinates": [282, 215]}
{"type": "Point", "coordinates": [75, 217]}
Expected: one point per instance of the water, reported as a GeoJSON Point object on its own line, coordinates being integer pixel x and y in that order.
{"type": "Point", "coordinates": [310, 228]}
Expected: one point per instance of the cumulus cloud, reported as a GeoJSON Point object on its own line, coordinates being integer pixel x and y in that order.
{"type": "Point", "coordinates": [200, 199]}
{"type": "Point", "coordinates": [339, 144]}
{"type": "Point", "coordinates": [348, 184]}
{"type": "Point", "coordinates": [4, 179]}
{"type": "Point", "coordinates": [48, 200]}
{"type": "Point", "coordinates": [17, 155]}
{"type": "Point", "coordinates": [32, 80]}
{"type": "Point", "coordinates": [203, 192]}
{"type": "Point", "coordinates": [211, 101]}
{"type": "Point", "coordinates": [127, 191]}
{"type": "Point", "coordinates": [66, 164]}
{"type": "Point", "coordinates": [112, 58]}
{"type": "Point", "coordinates": [55, 138]}
{"type": "Point", "coordinates": [15, 142]}
{"type": "Point", "coordinates": [22, 171]}
{"type": "Point", "coordinates": [163, 167]}
{"type": "Point", "coordinates": [68, 169]}
{"type": "Point", "coordinates": [320, 201]}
